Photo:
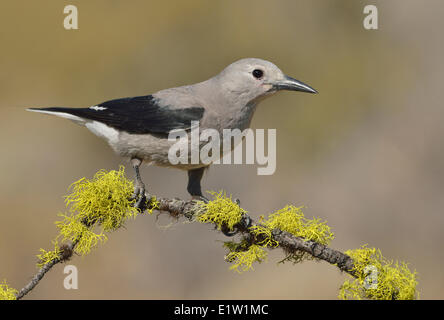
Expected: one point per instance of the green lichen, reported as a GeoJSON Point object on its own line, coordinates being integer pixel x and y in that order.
{"type": "Point", "coordinates": [221, 211]}
{"type": "Point", "coordinates": [378, 278]}
{"type": "Point", "coordinates": [6, 292]}
{"type": "Point", "coordinates": [243, 260]}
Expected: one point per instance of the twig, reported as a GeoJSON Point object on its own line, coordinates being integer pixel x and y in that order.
{"type": "Point", "coordinates": [66, 254]}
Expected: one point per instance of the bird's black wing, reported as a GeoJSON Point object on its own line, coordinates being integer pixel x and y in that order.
{"type": "Point", "coordinates": [137, 115]}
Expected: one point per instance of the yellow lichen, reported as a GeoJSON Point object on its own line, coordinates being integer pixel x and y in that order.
{"type": "Point", "coordinates": [291, 219]}
{"type": "Point", "coordinates": [48, 256]}
{"type": "Point", "coordinates": [103, 204]}
{"type": "Point", "coordinates": [243, 260]}
{"type": "Point", "coordinates": [266, 237]}
{"type": "Point", "coordinates": [153, 204]}
{"type": "Point", "coordinates": [72, 229]}
{"type": "Point", "coordinates": [221, 211]}
{"type": "Point", "coordinates": [6, 292]}
{"type": "Point", "coordinates": [378, 278]}
{"type": "Point", "coordinates": [95, 206]}
{"type": "Point", "coordinates": [243, 255]}
{"type": "Point", "coordinates": [104, 200]}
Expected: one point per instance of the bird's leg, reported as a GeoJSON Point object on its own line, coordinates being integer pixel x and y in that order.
{"type": "Point", "coordinates": [243, 224]}
{"type": "Point", "coordinates": [194, 188]}
{"type": "Point", "coordinates": [246, 220]}
{"type": "Point", "coordinates": [139, 189]}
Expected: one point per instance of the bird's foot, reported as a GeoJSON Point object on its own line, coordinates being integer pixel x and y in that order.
{"type": "Point", "coordinates": [139, 195]}
{"type": "Point", "coordinates": [137, 192]}
{"type": "Point", "coordinates": [242, 225]}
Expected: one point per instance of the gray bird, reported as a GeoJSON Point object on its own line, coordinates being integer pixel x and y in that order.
{"type": "Point", "coordinates": [137, 128]}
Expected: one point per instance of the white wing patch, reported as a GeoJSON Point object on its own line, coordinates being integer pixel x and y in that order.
{"type": "Point", "coordinates": [103, 131]}
{"type": "Point", "coordinates": [97, 108]}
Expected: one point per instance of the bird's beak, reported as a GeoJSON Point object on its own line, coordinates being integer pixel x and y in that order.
{"type": "Point", "coordinates": [289, 83]}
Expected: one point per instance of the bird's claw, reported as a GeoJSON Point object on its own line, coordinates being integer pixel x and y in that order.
{"type": "Point", "coordinates": [137, 191]}
{"type": "Point", "coordinates": [141, 201]}
{"type": "Point", "coordinates": [243, 224]}
{"type": "Point", "coordinates": [139, 195]}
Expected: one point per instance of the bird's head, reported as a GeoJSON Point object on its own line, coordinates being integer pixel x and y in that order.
{"type": "Point", "coordinates": [253, 79]}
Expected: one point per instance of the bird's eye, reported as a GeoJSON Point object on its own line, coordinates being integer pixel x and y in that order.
{"type": "Point", "coordinates": [257, 73]}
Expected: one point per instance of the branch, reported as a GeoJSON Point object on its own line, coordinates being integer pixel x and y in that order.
{"type": "Point", "coordinates": [287, 241]}
{"type": "Point", "coordinates": [188, 209]}
{"type": "Point", "coordinates": [104, 202]}
{"type": "Point", "coordinates": [66, 253]}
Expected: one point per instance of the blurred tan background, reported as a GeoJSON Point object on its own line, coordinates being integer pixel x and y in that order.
{"type": "Point", "coordinates": [365, 154]}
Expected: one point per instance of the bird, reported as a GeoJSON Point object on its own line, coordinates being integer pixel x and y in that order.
{"type": "Point", "coordinates": [137, 128]}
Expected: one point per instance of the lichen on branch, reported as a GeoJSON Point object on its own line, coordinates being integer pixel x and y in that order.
{"type": "Point", "coordinates": [251, 248]}
{"type": "Point", "coordinates": [389, 280]}
{"type": "Point", "coordinates": [103, 204]}
{"type": "Point", "coordinates": [96, 207]}
{"type": "Point", "coordinates": [221, 211]}
{"type": "Point", "coordinates": [378, 278]}
{"type": "Point", "coordinates": [6, 292]}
